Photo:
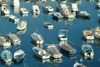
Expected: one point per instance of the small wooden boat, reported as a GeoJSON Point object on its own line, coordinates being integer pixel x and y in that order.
{"type": "Point", "coordinates": [14, 39]}
{"type": "Point", "coordinates": [57, 15]}
{"type": "Point", "coordinates": [53, 51]}
{"type": "Point", "coordinates": [22, 25]}
{"type": "Point", "coordinates": [78, 65]}
{"type": "Point", "coordinates": [82, 13]}
{"type": "Point", "coordinates": [4, 42]}
{"type": "Point", "coordinates": [6, 56]}
{"type": "Point", "coordinates": [48, 8]}
{"type": "Point", "coordinates": [19, 55]}
{"type": "Point", "coordinates": [48, 25]}
{"type": "Point", "coordinates": [62, 35]}
{"type": "Point", "coordinates": [41, 53]}
{"type": "Point", "coordinates": [67, 48]}
{"type": "Point", "coordinates": [87, 34]}
{"type": "Point", "coordinates": [87, 51]}
{"type": "Point", "coordinates": [37, 38]}
{"type": "Point", "coordinates": [23, 11]}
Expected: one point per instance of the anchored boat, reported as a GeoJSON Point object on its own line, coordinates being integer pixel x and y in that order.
{"type": "Point", "coordinates": [48, 8]}
{"type": "Point", "coordinates": [23, 11]}
{"type": "Point", "coordinates": [57, 15]}
{"type": "Point", "coordinates": [48, 25]}
{"type": "Point", "coordinates": [82, 13]}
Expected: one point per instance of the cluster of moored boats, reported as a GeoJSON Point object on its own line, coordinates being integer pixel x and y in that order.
{"type": "Point", "coordinates": [50, 50]}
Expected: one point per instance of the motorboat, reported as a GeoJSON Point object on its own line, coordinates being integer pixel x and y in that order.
{"type": "Point", "coordinates": [23, 11]}
{"type": "Point", "coordinates": [19, 55]}
{"type": "Point", "coordinates": [35, 9]}
{"type": "Point", "coordinates": [72, 7]}
{"type": "Point", "coordinates": [4, 42]}
{"type": "Point", "coordinates": [78, 65]}
{"type": "Point", "coordinates": [57, 15]}
{"type": "Point", "coordinates": [61, 6]}
{"type": "Point", "coordinates": [62, 35]}
{"type": "Point", "coordinates": [5, 9]}
{"type": "Point", "coordinates": [87, 51]}
{"type": "Point", "coordinates": [48, 25]}
{"type": "Point", "coordinates": [15, 3]}
{"type": "Point", "coordinates": [6, 56]}
{"type": "Point", "coordinates": [67, 14]}
{"type": "Point", "coordinates": [52, 49]}
{"type": "Point", "coordinates": [48, 8]}
{"type": "Point", "coordinates": [22, 25]}
{"type": "Point", "coordinates": [67, 48]}
{"type": "Point", "coordinates": [97, 4]}
{"type": "Point", "coordinates": [41, 53]}
{"type": "Point", "coordinates": [13, 19]}
{"type": "Point", "coordinates": [37, 38]}
{"type": "Point", "coordinates": [96, 32]}
{"type": "Point", "coordinates": [82, 13]}
{"type": "Point", "coordinates": [87, 34]}
{"type": "Point", "coordinates": [14, 39]}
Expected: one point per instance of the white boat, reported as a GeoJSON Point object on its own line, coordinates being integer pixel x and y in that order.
{"type": "Point", "coordinates": [66, 13]}
{"type": "Point", "coordinates": [14, 39]}
{"type": "Point", "coordinates": [16, 9]}
{"type": "Point", "coordinates": [35, 9]}
{"type": "Point", "coordinates": [82, 13]}
{"type": "Point", "coordinates": [87, 51]}
{"type": "Point", "coordinates": [5, 9]}
{"type": "Point", "coordinates": [41, 53]}
{"type": "Point", "coordinates": [97, 4]}
{"type": "Point", "coordinates": [72, 7]}
{"type": "Point", "coordinates": [78, 65]}
{"type": "Point", "coordinates": [98, 16]}
{"type": "Point", "coordinates": [53, 51]}
{"type": "Point", "coordinates": [22, 25]}
{"type": "Point", "coordinates": [15, 3]}
{"type": "Point", "coordinates": [37, 38]}
{"type": "Point", "coordinates": [48, 25]}
{"type": "Point", "coordinates": [48, 8]}
{"type": "Point", "coordinates": [19, 55]}
{"type": "Point", "coordinates": [4, 42]}
{"type": "Point", "coordinates": [61, 6]}
{"type": "Point", "coordinates": [96, 32]}
{"type": "Point", "coordinates": [23, 11]}
{"type": "Point", "coordinates": [13, 18]}
{"type": "Point", "coordinates": [6, 56]}
{"type": "Point", "coordinates": [87, 34]}
{"type": "Point", "coordinates": [57, 15]}
{"type": "Point", "coordinates": [62, 35]}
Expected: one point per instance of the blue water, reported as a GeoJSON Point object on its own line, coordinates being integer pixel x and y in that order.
{"type": "Point", "coordinates": [74, 27]}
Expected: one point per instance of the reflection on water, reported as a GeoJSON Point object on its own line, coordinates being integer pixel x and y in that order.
{"type": "Point", "coordinates": [37, 45]}
{"type": "Point", "coordinates": [5, 17]}
{"type": "Point", "coordinates": [23, 15]}
{"type": "Point", "coordinates": [15, 9]}
{"type": "Point", "coordinates": [20, 62]}
{"type": "Point", "coordinates": [83, 18]}
{"type": "Point", "coordinates": [21, 31]}
{"type": "Point", "coordinates": [4, 47]}
{"type": "Point", "coordinates": [97, 42]}
{"type": "Point", "coordinates": [35, 15]}
{"type": "Point", "coordinates": [47, 13]}
{"type": "Point", "coordinates": [87, 41]}
{"type": "Point", "coordinates": [57, 20]}
{"type": "Point", "coordinates": [6, 63]}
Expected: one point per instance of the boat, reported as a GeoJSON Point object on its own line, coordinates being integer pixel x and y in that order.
{"type": "Point", "coordinates": [4, 42]}
{"type": "Point", "coordinates": [82, 13]}
{"type": "Point", "coordinates": [78, 65]}
{"type": "Point", "coordinates": [87, 34]}
{"type": "Point", "coordinates": [13, 19]}
{"type": "Point", "coordinates": [48, 25]}
{"type": "Point", "coordinates": [62, 35]}
{"type": "Point", "coordinates": [96, 32]}
{"type": "Point", "coordinates": [61, 6]}
{"type": "Point", "coordinates": [15, 3]}
{"type": "Point", "coordinates": [98, 16]}
{"type": "Point", "coordinates": [41, 53]}
{"type": "Point", "coordinates": [97, 4]}
{"type": "Point", "coordinates": [16, 9]}
{"type": "Point", "coordinates": [72, 7]}
{"type": "Point", "coordinates": [19, 55]}
{"type": "Point", "coordinates": [57, 15]}
{"type": "Point", "coordinates": [37, 38]}
{"type": "Point", "coordinates": [14, 39]}
{"type": "Point", "coordinates": [22, 25]}
{"type": "Point", "coordinates": [6, 56]}
{"type": "Point", "coordinates": [87, 51]}
{"type": "Point", "coordinates": [53, 51]}
{"type": "Point", "coordinates": [23, 11]}
{"type": "Point", "coordinates": [48, 8]}
{"type": "Point", "coordinates": [5, 9]}
{"type": "Point", "coordinates": [35, 9]}
{"type": "Point", "coordinates": [67, 14]}
{"type": "Point", "coordinates": [67, 48]}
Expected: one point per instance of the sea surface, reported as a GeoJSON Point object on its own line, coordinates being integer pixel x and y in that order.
{"type": "Point", "coordinates": [75, 28]}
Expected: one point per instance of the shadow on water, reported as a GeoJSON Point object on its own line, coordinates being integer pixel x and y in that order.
{"type": "Point", "coordinates": [47, 13]}
{"type": "Point", "coordinates": [83, 18]}
{"type": "Point", "coordinates": [19, 63]}
{"type": "Point", "coordinates": [37, 45]}
{"type": "Point", "coordinates": [97, 42]}
{"type": "Point", "coordinates": [6, 63]}
{"type": "Point", "coordinates": [87, 41]}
